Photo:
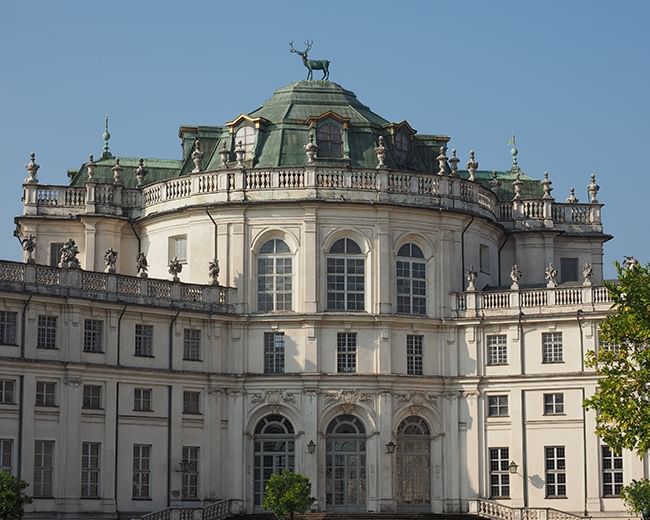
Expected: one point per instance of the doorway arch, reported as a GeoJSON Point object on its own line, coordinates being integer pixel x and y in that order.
{"type": "Point", "coordinates": [413, 471]}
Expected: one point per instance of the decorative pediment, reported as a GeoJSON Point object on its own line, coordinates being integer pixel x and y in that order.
{"type": "Point", "coordinates": [314, 120]}
{"type": "Point", "coordinates": [404, 126]}
{"type": "Point", "coordinates": [243, 118]}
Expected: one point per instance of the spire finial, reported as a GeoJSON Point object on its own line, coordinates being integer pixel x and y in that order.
{"type": "Point", "coordinates": [472, 165]}
{"type": "Point", "coordinates": [32, 170]}
{"type": "Point", "coordinates": [106, 153]}
{"type": "Point", "coordinates": [547, 186]}
{"type": "Point", "coordinates": [514, 152]}
{"type": "Point", "coordinates": [454, 163]}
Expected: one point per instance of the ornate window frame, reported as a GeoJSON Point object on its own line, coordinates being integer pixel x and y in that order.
{"type": "Point", "coordinates": [329, 117]}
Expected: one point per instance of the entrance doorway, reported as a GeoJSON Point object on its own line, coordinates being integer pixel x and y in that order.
{"type": "Point", "coordinates": [413, 475]}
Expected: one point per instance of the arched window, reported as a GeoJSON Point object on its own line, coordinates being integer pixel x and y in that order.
{"type": "Point", "coordinates": [329, 139]}
{"type": "Point", "coordinates": [345, 276]}
{"type": "Point", "coordinates": [345, 465]}
{"type": "Point", "coordinates": [411, 280]}
{"type": "Point", "coordinates": [246, 135]}
{"type": "Point", "coordinates": [274, 447]}
{"type": "Point", "coordinates": [412, 483]}
{"type": "Point", "coordinates": [274, 276]}
{"type": "Point", "coordinates": [401, 143]}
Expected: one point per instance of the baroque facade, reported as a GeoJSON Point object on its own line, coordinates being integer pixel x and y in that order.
{"type": "Point", "coordinates": [316, 288]}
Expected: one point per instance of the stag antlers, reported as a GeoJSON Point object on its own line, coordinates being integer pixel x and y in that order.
{"type": "Point", "coordinates": [308, 46]}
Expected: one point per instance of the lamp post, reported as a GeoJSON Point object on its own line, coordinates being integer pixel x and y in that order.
{"type": "Point", "coordinates": [512, 467]}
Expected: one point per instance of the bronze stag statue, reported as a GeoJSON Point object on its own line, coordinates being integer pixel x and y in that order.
{"type": "Point", "coordinates": [311, 65]}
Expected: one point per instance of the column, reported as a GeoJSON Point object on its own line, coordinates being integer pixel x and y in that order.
{"type": "Point", "coordinates": [452, 455]}
{"type": "Point", "coordinates": [386, 463]}
{"type": "Point", "coordinates": [383, 266]}
{"type": "Point", "coordinates": [309, 267]}
{"type": "Point", "coordinates": [90, 231]}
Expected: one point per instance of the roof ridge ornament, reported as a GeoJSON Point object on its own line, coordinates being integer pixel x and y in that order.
{"type": "Point", "coordinates": [32, 170]}
{"type": "Point", "coordinates": [472, 165]}
{"type": "Point", "coordinates": [197, 155]}
{"type": "Point", "coordinates": [106, 153]}
{"type": "Point", "coordinates": [311, 65]}
{"type": "Point", "coordinates": [514, 152]}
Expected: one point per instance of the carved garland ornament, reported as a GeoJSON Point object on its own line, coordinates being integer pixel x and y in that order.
{"type": "Point", "coordinates": [347, 400]}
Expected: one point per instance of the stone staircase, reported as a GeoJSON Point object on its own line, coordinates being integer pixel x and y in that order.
{"type": "Point", "coordinates": [364, 516]}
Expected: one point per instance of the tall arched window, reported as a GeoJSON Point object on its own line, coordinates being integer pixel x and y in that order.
{"type": "Point", "coordinates": [329, 138]}
{"type": "Point", "coordinates": [246, 135]}
{"type": "Point", "coordinates": [345, 276]}
{"type": "Point", "coordinates": [274, 276]}
{"type": "Point", "coordinates": [274, 446]}
{"type": "Point", "coordinates": [345, 465]}
{"type": "Point", "coordinates": [411, 280]}
{"type": "Point", "coordinates": [413, 487]}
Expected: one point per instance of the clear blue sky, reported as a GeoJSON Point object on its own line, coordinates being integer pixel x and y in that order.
{"type": "Point", "coordinates": [571, 78]}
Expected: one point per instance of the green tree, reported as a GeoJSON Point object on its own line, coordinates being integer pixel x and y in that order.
{"type": "Point", "coordinates": [622, 399]}
{"type": "Point", "coordinates": [287, 493]}
{"type": "Point", "coordinates": [12, 496]}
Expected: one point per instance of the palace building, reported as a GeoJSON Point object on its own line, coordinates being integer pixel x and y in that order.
{"type": "Point", "coordinates": [310, 286]}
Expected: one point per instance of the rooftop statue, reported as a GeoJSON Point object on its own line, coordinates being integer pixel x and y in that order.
{"type": "Point", "coordinates": [311, 65]}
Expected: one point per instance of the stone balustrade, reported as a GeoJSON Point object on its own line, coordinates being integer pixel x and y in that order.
{"type": "Point", "coordinates": [496, 511]}
{"type": "Point", "coordinates": [541, 300]}
{"type": "Point", "coordinates": [113, 287]}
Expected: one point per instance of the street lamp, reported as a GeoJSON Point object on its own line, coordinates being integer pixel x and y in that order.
{"type": "Point", "coordinates": [513, 467]}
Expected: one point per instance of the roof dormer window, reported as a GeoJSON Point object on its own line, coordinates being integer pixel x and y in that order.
{"type": "Point", "coordinates": [401, 143]}
{"type": "Point", "coordinates": [246, 135]}
{"type": "Point", "coordinates": [329, 138]}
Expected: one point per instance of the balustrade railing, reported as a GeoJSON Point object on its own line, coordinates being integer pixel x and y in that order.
{"type": "Point", "coordinates": [496, 511]}
{"type": "Point", "coordinates": [121, 286]}
{"type": "Point", "coordinates": [212, 511]}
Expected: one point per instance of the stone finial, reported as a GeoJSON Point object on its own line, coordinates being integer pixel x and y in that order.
{"type": "Point", "coordinates": [224, 153]}
{"type": "Point", "coordinates": [106, 152]}
{"type": "Point", "coordinates": [311, 149]}
{"type": "Point", "coordinates": [472, 165]}
{"type": "Point", "coordinates": [630, 262]}
{"type": "Point", "coordinates": [547, 186]}
{"type": "Point", "coordinates": [471, 279]}
{"type": "Point", "coordinates": [90, 167]}
{"type": "Point", "coordinates": [29, 245]}
{"type": "Point", "coordinates": [380, 150]}
{"type": "Point", "coordinates": [515, 276]}
{"type": "Point", "coordinates": [32, 170]}
{"type": "Point", "coordinates": [140, 173]}
{"type": "Point", "coordinates": [550, 275]}
{"type": "Point", "coordinates": [454, 163]}
{"type": "Point", "coordinates": [239, 154]}
{"type": "Point", "coordinates": [142, 265]}
{"type": "Point", "coordinates": [587, 274]}
{"type": "Point", "coordinates": [213, 271]}
{"type": "Point", "coordinates": [197, 155]}
{"type": "Point", "coordinates": [592, 189]}
{"type": "Point", "coordinates": [495, 183]}
{"type": "Point", "coordinates": [68, 255]}
{"type": "Point", "coordinates": [572, 199]}
{"type": "Point", "coordinates": [514, 152]}
{"type": "Point", "coordinates": [443, 166]}
{"type": "Point", "coordinates": [516, 186]}
{"type": "Point", "coordinates": [110, 259]}
{"type": "Point", "coordinates": [175, 267]}
{"type": "Point", "coordinates": [117, 172]}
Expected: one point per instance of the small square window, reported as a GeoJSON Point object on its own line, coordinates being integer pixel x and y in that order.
{"type": "Point", "coordinates": [142, 400]}
{"type": "Point", "coordinates": [46, 333]}
{"type": "Point", "coordinates": [552, 347]}
{"type": "Point", "coordinates": [497, 406]}
{"type": "Point", "coordinates": [569, 269]}
{"type": "Point", "coordinates": [8, 321]}
{"type": "Point", "coordinates": [92, 397]}
{"type": "Point", "coordinates": [45, 393]}
{"type": "Point", "coordinates": [497, 349]}
{"type": "Point", "coordinates": [178, 248]}
{"type": "Point", "coordinates": [554, 404]}
{"type": "Point", "coordinates": [143, 340]}
{"type": "Point", "coordinates": [191, 402]}
{"type": "Point", "coordinates": [93, 331]}
{"type": "Point", "coordinates": [192, 344]}
{"type": "Point", "coordinates": [7, 391]}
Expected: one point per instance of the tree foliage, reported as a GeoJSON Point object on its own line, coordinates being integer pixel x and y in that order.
{"type": "Point", "coordinates": [12, 496]}
{"type": "Point", "coordinates": [622, 399]}
{"type": "Point", "coordinates": [636, 496]}
{"type": "Point", "coordinates": [287, 493]}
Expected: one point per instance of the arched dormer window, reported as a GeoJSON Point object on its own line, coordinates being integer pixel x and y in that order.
{"type": "Point", "coordinates": [246, 135]}
{"type": "Point", "coordinates": [345, 276]}
{"type": "Point", "coordinates": [411, 280]}
{"type": "Point", "coordinates": [329, 138]}
{"type": "Point", "coordinates": [274, 276]}
{"type": "Point", "coordinates": [401, 143]}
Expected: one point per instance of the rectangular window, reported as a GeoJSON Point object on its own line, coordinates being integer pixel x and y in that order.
{"type": "Point", "coordinates": [192, 344]}
{"type": "Point", "coordinates": [178, 248]}
{"type": "Point", "coordinates": [6, 449]}
{"type": "Point", "coordinates": [141, 471]}
{"type": "Point", "coordinates": [484, 258]}
{"type": "Point", "coordinates": [569, 269]}
{"type": "Point", "coordinates": [346, 352]}
{"type": "Point", "coordinates": [499, 473]}
{"type": "Point", "coordinates": [43, 469]}
{"type": "Point", "coordinates": [90, 469]}
{"type": "Point", "coordinates": [45, 393]}
{"type": "Point", "coordinates": [497, 349]}
{"type": "Point", "coordinates": [552, 347]}
{"type": "Point", "coordinates": [274, 352]}
{"type": "Point", "coordinates": [143, 340]}
{"type": "Point", "coordinates": [554, 404]}
{"type": "Point", "coordinates": [46, 334]}
{"type": "Point", "coordinates": [190, 480]}
{"type": "Point", "coordinates": [612, 467]}
{"type": "Point", "coordinates": [55, 253]}
{"type": "Point", "coordinates": [7, 391]}
{"type": "Point", "coordinates": [191, 402]}
{"type": "Point", "coordinates": [555, 463]}
{"type": "Point", "coordinates": [414, 354]}
{"type": "Point", "coordinates": [142, 399]}
{"type": "Point", "coordinates": [8, 322]}
{"type": "Point", "coordinates": [93, 331]}
{"type": "Point", "coordinates": [92, 397]}
{"type": "Point", "coordinates": [497, 406]}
